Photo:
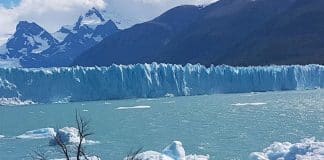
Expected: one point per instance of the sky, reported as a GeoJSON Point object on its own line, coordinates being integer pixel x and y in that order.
{"type": "Point", "coordinates": [52, 14]}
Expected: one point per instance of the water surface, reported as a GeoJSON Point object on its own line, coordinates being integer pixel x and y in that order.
{"type": "Point", "coordinates": [225, 126]}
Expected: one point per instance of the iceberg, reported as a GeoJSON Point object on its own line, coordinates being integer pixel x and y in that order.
{"type": "Point", "coordinates": [82, 158]}
{"type": "Point", "coordinates": [174, 151]}
{"type": "Point", "coordinates": [38, 134]}
{"type": "Point", "coordinates": [308, 148]}
{"type": "Point", "coordinates": [249, 104]}
{"type": "Point", "coordinates": [135, 107]}
{"type": "Point", "coordinates": [68, 135]}
{"type": "Point", "coordinates": [49, 85]}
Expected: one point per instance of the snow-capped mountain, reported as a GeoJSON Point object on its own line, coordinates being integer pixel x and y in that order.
{"type": "Point", "coordinates": [28, 39]}
{"type": "Point", "coordinates": [89, 30]}
{"type": "Point", "coordinates": [89, 21]}
{"type": "Point", "coordinates": [33, 46]}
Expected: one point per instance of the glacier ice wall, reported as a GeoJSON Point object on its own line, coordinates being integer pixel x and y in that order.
{"type": "Point", "coordinates": [151, 80]}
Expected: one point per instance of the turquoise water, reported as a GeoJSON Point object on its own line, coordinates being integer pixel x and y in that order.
{"type": "Point", "coordinates": [225, 126]}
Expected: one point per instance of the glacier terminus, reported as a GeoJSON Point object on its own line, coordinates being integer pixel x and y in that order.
{"type": "Point", "coordinates": [54, 85]}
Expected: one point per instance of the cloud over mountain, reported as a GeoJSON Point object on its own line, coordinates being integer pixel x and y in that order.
{"type": "Point", "coordinates": [48, 13]}
{"type": "Point", "coordinates": [52, 14]}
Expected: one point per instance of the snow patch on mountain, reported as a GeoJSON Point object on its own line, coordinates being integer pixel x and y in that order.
{"type": "Point", "coordinates": [92, 19]}
{"type": "Point", "coordinates": [60, 36]}
{"type": "Point", "coordinates": [98, 38]}
{"type": "Point", "coordinates": [42, 44]}
{"type": "Point", "coordinates": [31, 46]}
{"type": "Point", "coordinates": [3, 49]}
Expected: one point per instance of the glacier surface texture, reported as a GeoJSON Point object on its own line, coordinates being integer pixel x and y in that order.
{"type": "Point", "coordinates": [49, 85]}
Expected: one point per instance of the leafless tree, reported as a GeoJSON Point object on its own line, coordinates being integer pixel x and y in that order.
{"type": "Point", "coordinates": [83, 132]}
{"type": "Point", "coordinates": [83, 128]}
{"type": "Point", "coordinates": [39, 155]}
{"type": "Point", "coordinates": [66, 149]}
{"type": "Point", "coordinates": [63, 146]}
{"type": "Point", "coordinates": [132, 155]}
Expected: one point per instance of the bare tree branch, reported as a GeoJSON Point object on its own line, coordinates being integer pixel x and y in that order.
{"type": "Point", "coordinates": [132, 155]}
{"type": "Point", "coordinates": [83, 132]}
{"type": "Point", "coordinates": [62, 145]}
{"type": "Point", "coordinates": [39, 155]}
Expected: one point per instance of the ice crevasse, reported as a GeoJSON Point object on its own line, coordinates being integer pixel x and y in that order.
{"type": "Point", "coordinates": [47, 85]}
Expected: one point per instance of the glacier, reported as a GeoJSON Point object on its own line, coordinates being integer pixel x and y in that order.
{"type": "Point", "coordinates": [70, 84]}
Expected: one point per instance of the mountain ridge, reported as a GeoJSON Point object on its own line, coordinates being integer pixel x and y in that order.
{"type": "Point", "coordinates": [65, 44]}
{"type": "Point", "coordinates": [225, 32]}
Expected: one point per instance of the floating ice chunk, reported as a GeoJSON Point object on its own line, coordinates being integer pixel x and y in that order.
{"type": "Point", "coordinates": [67, 135]}
{"type": "Point", "coordinates": [174, 151]}
{"type": "Point", "coordinates": [38, 134]}
{"type": "Point", "coordinates": [2, 136]}
{"type": "Point", "coordinates": [70, 135]}
{"type": "Point", "coordinates": [307, 149]}
{"type": "Point", "coordinates": [197, 157]}
{"type": "Point", "coordinates": [135, 107]}
{"type": "Point", "coordinates": [91, 142]}
{"type": "Point", "coordinates": [82, 158]}
{"type": "Point", "coordinates": [152, 155]}
{"type": "Point", "coordinates": [14, 102]}
{"type": "Point", "coordinates": [248, 104]}
{"type": "Point", "coordinates": [169, 95]}
{"type": "Point", "coordinates": [64, 100]}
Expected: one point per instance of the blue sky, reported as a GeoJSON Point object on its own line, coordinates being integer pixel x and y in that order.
{"type": "Point", "coordinates": [9, 3]}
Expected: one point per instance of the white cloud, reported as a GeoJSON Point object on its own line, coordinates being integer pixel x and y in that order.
{"type": "Point", "coordinates": [149, 8]}
{"type": "Point", "coordinates": [51, 14]}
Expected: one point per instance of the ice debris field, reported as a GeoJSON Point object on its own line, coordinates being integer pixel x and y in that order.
{"type": "Point", "coordinates": [69, 136]}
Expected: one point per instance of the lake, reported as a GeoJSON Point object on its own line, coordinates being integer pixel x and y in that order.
{"type": "Point", "coordinates": [225, 126]}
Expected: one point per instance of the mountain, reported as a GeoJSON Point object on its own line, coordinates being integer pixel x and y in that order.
{"type": "Point", "coordinates": [221, 28]}
{"type": "Point", "coordinates": [28, 40]}
{"type": "Point", "coordinates": [89, 30]}
{"type": "Point", "coordinates": [296, 36]}
{"type": "Point", "coordinates": [33, 46]}
{"type": "Point", "coordinates": [141, 42]}
{"type": "Point", "coordinates": [234, 32]}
